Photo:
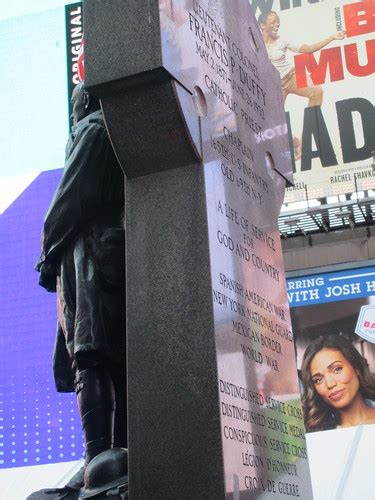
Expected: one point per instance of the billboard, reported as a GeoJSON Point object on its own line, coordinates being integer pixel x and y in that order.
{"type": "Point", "coordinates": [333, 318]}
{"type": "Point", "coordinates": [38, 427]}
{"type": "Point", "coordinates": [325, 53]}
{"type": "Point", "coordinates": [74, 46]}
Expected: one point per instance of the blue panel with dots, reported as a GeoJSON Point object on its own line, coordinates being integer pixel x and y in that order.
{"type": "Point", "coordinates": [37, 425]}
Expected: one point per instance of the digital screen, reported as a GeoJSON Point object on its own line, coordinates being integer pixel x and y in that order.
{"type": "Point", "coordinates": [37, 425]}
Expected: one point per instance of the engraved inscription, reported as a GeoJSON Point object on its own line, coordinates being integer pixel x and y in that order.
{"type": "Point", "coordinates": [263, 439]}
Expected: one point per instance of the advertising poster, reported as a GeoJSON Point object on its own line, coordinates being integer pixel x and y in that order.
{"type": "Point", "coordinates": [74, 46]}
{"type": "Point", "coordinates": [325, 53]}
{"type": "Point", "coordinates": [333, 318]}
{"type": "Point", "coordinates": [40, 430]}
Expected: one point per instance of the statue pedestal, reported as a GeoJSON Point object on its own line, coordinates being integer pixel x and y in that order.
{"type": "Point", "coordinates": [195, 114]}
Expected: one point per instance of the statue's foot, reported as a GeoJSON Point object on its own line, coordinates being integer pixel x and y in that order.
{"type": "Point", "coordinates": [69, 492]}
{"type": "Point", "coordinates": [106, 476]}
{"type": "Point", "coordinates": [119, 493]}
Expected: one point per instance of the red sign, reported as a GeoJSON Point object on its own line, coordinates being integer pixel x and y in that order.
{"type": "Point", "coordinates": [81, 62]}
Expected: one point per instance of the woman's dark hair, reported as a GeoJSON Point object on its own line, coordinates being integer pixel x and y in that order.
{"type": "Point", "coordinates": [318, 414]}
{"type": "Point", "coordinates": [264, 15]}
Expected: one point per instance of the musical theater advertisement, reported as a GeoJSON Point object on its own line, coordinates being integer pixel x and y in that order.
{"type": "Point", "coordinates": [333, 319]}
{"type": "Point", "coordinates": [325, 54]}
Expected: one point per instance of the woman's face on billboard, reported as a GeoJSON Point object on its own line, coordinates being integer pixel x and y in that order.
{"type": "Point", "coordinates": [271, 25]}
{"type": "Point", "coordinates": [334, 378]}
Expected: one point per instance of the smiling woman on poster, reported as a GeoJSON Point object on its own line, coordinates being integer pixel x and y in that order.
{"type": "Point", "coordinates": [337, 382]}
{"type": "Point", "coordinates": [277, 47]}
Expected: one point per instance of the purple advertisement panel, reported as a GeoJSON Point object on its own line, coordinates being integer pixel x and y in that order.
{"type": "Point", "coordinates": [37, 425]}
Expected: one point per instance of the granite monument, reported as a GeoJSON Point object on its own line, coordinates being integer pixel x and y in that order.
{"type": "Point", "coordinates": [194, 111]}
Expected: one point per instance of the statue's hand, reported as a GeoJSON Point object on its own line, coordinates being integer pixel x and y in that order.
{"type": "Point", "coordinates": [47, 277]}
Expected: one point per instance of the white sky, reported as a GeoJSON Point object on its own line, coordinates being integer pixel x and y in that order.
{"type": "Point", "coordinates": [33, 89]}
{"type": "Point", "coordinates": [23, 7]}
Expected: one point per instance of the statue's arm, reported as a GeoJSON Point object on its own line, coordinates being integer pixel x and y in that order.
{"type": "Point", "coordinates": [78, 197]}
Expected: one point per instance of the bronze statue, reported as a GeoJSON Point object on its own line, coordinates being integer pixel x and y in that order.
{"type": "Point", "coordinates": [83, 261]}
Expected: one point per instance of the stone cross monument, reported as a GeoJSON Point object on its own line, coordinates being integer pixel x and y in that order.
{"type": "Point", "coordinates": [195, 114]}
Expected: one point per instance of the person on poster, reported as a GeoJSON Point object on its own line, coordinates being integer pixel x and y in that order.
{"type": "Point", "coordinates": [338, 385]}
{"type": "Point", "coordinates": [277, 48]}
{"type": "Point", "coordinates": [83, 260]}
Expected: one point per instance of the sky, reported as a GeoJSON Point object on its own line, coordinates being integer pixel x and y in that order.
{"type": "Point", "coordinates": [23, 7]}
{"type": "Point", "coordinates": [34, 131]}
{"type": "Point", "coordinates": [33, 87]}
